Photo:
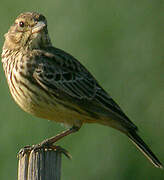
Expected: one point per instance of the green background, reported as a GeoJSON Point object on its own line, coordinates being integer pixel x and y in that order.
{"type": "Point", "coordinates": [121, 42]}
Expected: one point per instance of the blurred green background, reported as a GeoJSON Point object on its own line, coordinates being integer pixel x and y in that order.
{"type": "Point", "coordinates": [121, 42]}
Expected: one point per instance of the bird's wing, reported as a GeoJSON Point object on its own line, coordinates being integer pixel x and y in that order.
{"type": "Point", "coordinates": [58, 72]}
{"type": "Point", "coordinates": [62, 73]}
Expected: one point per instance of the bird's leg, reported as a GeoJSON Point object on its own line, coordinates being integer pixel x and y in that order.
{"type": "Point", "coordinates": [48, 143]}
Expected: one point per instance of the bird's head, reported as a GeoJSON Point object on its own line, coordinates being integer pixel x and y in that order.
{"type": "Point", "coordinates": [29, 31]}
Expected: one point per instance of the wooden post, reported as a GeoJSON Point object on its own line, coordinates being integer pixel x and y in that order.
{"type": "Point", "coordinates": [43, 164]}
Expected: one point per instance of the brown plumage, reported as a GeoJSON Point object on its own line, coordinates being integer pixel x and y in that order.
{"type": "Point", "coordinates": [50, 83]}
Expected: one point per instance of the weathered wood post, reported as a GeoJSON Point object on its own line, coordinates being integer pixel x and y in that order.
{"type": "Point", "coordinates": [43, 164]}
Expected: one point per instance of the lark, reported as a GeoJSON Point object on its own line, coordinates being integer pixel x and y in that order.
{"type": "Point", "coordinates": [49, 83]}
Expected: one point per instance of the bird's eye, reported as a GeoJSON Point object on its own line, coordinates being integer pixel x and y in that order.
{"type": "Point", "coordinates": [21, 24]}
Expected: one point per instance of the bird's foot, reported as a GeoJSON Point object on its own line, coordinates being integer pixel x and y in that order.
{"type": "Point", "coordinates": [45, 146]}
{"type": "Point", "coordinates": [48, 144]}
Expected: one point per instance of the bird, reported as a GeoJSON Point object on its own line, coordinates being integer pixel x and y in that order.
{"type": "Point", "coordinates": [49, 83]}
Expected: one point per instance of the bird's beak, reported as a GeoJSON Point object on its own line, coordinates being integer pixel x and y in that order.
{"type": "Point", "coordinates": [38, 27]}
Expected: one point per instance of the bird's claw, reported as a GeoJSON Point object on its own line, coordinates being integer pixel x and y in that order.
{"type": "Point", "coordinates": [24, 150]}
{"type": "Point", "coordinates": [43, 146]}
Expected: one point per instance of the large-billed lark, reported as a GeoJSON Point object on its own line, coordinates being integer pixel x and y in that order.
{"type": "Point", "coordinates": [49, 83]}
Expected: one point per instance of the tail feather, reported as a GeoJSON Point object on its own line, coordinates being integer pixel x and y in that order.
{"type": "Point", "coordinates": [140, 144]}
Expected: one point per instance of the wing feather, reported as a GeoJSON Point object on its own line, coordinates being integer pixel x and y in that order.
{"type": "Point", "coordinates": [59, 73]}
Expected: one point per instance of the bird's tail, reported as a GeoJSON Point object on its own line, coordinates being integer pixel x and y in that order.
{"type": "Point", "coordinates": [140, 144]}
